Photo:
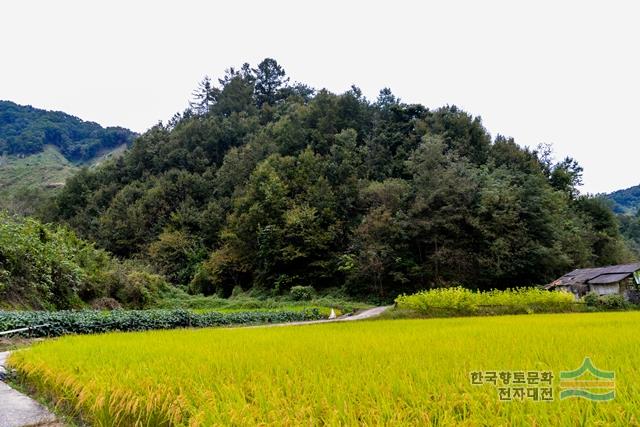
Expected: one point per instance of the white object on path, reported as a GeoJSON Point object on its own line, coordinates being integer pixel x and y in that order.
{"type": "Point", "coordinates": [16, 409]}
{"type": "Point", "coordinates": [332, 315]}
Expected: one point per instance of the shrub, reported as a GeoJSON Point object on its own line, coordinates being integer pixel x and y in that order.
{"type": "Point", "coordinates": [591, 299]}
{"type": "Point", "coordinates": [613, 302]}
{"type": "Point", "coordinates": [605, 302]}
{"type": "Point", "coordinates": [47, 267]}
{"type": "Point", "coordinates": [237, 292]}
{"type": "Point", "coordinates": [302, 293]}
{"type": "Point", "coordinates": [141, 289]}
{"type": "Point", "coordinates": [461, 301]}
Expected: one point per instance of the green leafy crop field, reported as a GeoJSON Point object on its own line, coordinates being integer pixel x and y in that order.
{"type": "Point", "coordinates": [402, 372]}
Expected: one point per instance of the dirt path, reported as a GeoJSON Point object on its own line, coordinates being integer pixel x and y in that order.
{"type": "Point", "coordinates": [18, 410]}
{"type": "Point", "coordinates": [365, 314]}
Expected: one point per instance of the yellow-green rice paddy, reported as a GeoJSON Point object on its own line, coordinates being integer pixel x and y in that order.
{"type": "Point", "coordinates": [396, 372]}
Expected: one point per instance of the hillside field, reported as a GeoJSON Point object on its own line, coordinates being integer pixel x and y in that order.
{"type": "Point", "coordinates": [393, 372]}
{"type": "Point", "coordinates": [25, 177]}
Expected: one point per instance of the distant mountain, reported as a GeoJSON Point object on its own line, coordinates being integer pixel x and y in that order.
{"type": "Point", "coordinates": [26, 130]}
{"type": "Point", "coordinates": [40, 149]}
{"type": "Point", "coordinates": [626, 201]}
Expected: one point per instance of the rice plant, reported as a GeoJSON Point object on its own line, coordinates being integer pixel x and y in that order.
{"type": "Point", "coordinates": [403, 372]}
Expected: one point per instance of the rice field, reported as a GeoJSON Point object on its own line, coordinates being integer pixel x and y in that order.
{"type": "Point", "coordinates": [391, 372]}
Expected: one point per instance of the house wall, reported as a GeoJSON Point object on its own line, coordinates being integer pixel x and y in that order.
{"type": "Point", "coordinates": [609, 289]}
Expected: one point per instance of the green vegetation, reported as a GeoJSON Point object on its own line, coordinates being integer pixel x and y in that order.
{"type": "Point", "coordinates": [404, 372]}
{"type": "Point", "coordinates": [267, 185]}
{"type": "Point", "coordinates": [459, 301]}
{"type": "Point", "coordinates": [49, 267]}
{"type": "Point", "coordinates": [26, 130]}
{"type": "Point", "coordinates": [630, 228]}
{"type": "Point", "coordinates": [27, 182]}
{"type": "Point", "coordinates": [92, 322]}
{"type": "Point", "coordinates": [606, 302]}
{"type": "Point", "coordinates": [246, 301]}
{"type": "Point", "coordinates": [40, 149]}
{"type": "Point", "coordinates": [626, 201]}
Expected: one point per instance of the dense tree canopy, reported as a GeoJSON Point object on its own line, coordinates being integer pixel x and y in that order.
{"type": "Point", "coordinates": [263, 183]}
{"type": "Point", "coordinates": [26, 130]}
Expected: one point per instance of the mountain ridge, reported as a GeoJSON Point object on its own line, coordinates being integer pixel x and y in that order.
{"type": "Point", "coordinates": [26, 130]}
{"type": "Point", "coordinates": [625, 201]}
{"type": "Point", "coordinates": [41, 149]}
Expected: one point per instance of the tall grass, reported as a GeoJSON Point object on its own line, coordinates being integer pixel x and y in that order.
{"type": "Point", "coordinates": [249, 302]}
{"type": "Point", "coordinates": [462, 301]}
{"type": "Point", "coordinates": [405, 372]}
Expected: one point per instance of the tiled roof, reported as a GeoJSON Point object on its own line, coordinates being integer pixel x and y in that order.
{"type": "Point", "coordinates": [608, 278]}
{"type": "Point", "coordinates": [601, 275]}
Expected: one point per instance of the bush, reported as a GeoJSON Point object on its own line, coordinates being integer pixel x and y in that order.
{"type": "Point", "coordinates": [461, 301]}
{"type": "Point", "coordinates": [47, 267]}
{"type": "Point", "coordinates": [605, 302]}
{"type": "Point", "coordinates": [302, 293]}
{"type": "Point", "coordinates": [613, 302]}
{"type": "Point", "coordinates": [591, 299]}
{"type": "Point", "coordinates": [141, 289]}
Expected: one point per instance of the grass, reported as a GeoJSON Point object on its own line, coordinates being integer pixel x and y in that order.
{"type": "Point", "coordinates": [43, 173]}
{"type": "Point", "coordinates": [398, 372]}
{"type": "Point", "coordinates": [247, 302]}
{"type": "Point", "coordinates": [48, 167]}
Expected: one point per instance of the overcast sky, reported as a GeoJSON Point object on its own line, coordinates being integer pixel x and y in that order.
{"type": "Point", "coordinates": [565, 73]}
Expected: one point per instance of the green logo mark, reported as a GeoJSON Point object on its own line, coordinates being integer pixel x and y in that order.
{"type": "Point", "coordinates": [588, 382]}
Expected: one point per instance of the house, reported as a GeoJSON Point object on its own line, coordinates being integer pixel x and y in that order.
{"type": "Point", "coordinates": [616, 279]}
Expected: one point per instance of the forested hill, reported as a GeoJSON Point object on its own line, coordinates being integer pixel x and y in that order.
{"type": "Point", "coordinates": [271, 184]}
{"type": "Point", "coordinates": [27, 130]}
{"type": "Point", "coordinates": [626, 201]}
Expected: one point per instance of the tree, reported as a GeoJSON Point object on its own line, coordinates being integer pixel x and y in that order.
{"type": "Point", "coordinates": [270, 79]}
{"type": "Point", "coordinates": [204, 96]}
{"type": "Point", "coordinates": [176, 255]}
{"type": "Point", "coordinates": [236, 95]}
{"type": "Point", "coordinates": [566, 176]}
{"type": "Point", "coordinates": [386, 99]}
{"type": "Point", "coordinates": [446, 188]}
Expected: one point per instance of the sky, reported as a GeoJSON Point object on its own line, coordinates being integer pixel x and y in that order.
{"type": "Point", "coordinates": [560, 72]}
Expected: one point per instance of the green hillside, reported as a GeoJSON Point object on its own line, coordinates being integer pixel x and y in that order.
{"type": "Point", "coordinates": [26, 130]}
{"type": "Point", "coordinates": [626, 201]}
{"type": "Point", "coordinates": [40, 149]}
{"type": "Point", "coordinates": [26, 181]}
